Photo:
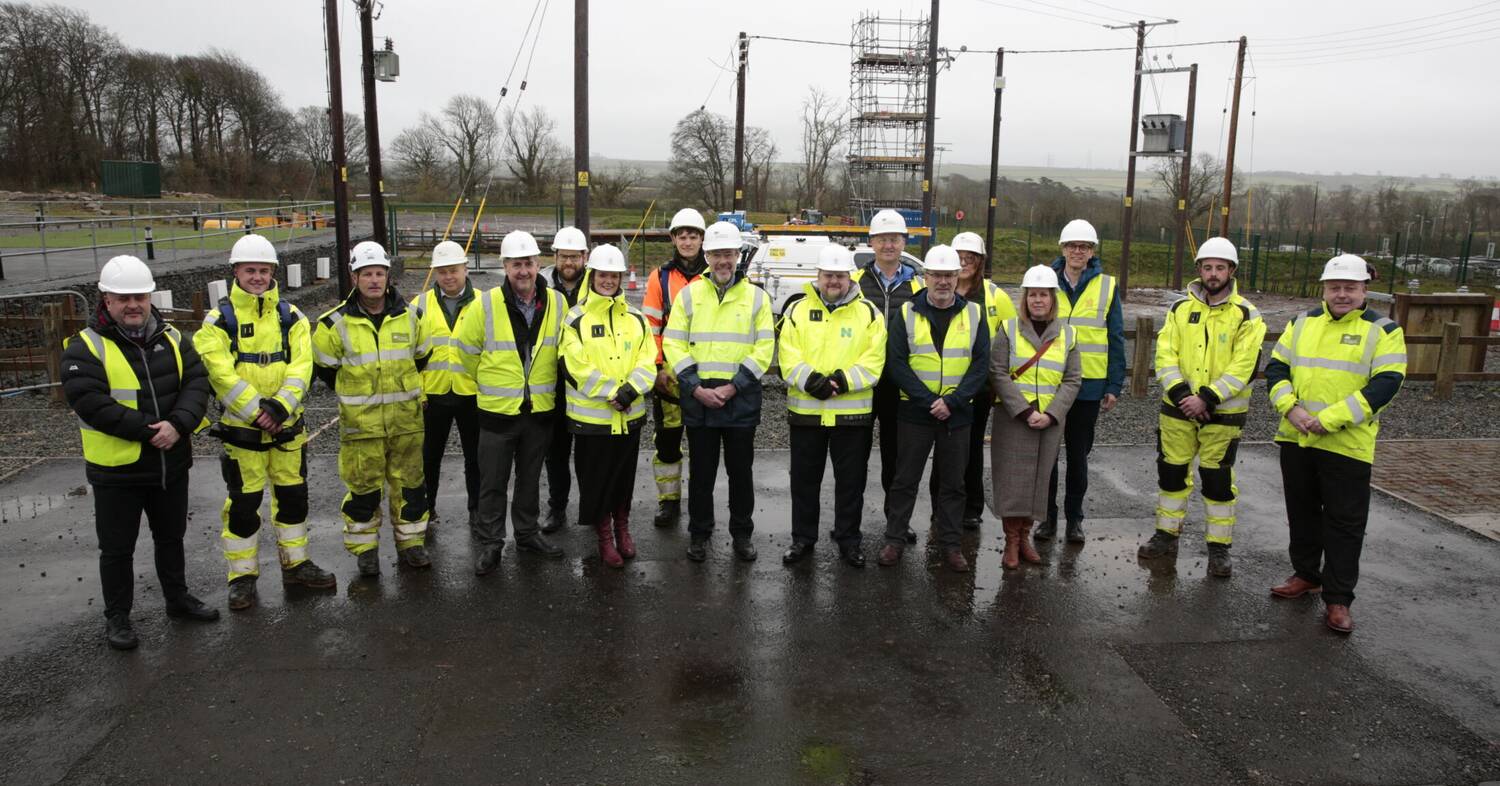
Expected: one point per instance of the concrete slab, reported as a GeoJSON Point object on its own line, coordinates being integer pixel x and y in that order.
{"type": "Point", "coordinates": [1094, 668]}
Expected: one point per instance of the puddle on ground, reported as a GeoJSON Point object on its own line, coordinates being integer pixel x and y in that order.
{"type": "Point", "coordinates": [30, 506]}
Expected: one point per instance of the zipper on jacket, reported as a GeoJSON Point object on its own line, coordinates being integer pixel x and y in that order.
{"type": "Point", "coordinates": [156, 405]}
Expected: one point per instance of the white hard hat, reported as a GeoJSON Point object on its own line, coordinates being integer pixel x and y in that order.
{"type": "Point", "coordinates": [721, 235]}
{"type": "Point", "coordinates": [253, 248]}
{"type": "Point", "coordinates": [941, 259]}
{"type": "Point", "coordinates": [887, 222]}
{"type": "Point", "coordinates": [367, 253]}
{"type": "Point", "coordinates": [1039, 277]}
{"type": "Point", "coordinates": [448, 253]}
{"type": "Point", "coordinates": [1218, 248]}
{"type": "Point", "coordinates": [126, 275]}
{"type": "Point", "coordinates": [606, 259]}
{"type": "Point", "coordinates": [1078, 231]}
{"type": "Point", "coordinates": [569, 239]}
{"type": "Point", "coordinates": [834, 258]}
{"type": "Point", "coordinates": [518, 244]}
{"type": "Point", "coordinates": [1346, 267]}
{"type": "Point", "coordinates": [969, 241]}
{"type": "Point", "coordinates": [686, 218]}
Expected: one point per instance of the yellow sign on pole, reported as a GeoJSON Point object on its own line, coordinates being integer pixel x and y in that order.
{"type": "Point", "coordinates": [925, 185]}
{"type": "Point", "coordinates": [1127, 201]}
{"type": "Point", "coordinates": [583, 178]}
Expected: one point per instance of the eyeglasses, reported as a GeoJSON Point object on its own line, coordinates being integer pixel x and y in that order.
{"type": "Point", "coordinates": [1078, 246]}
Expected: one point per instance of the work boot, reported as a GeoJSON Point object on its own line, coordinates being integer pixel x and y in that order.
{"type": "Point", "coordinates": [1219, 562]}
{"type": "Point", "coordinates": [1026, 551]}
{"type": "Point", "coordinates": [1047, 530]}
{"type": "Point", "coordinates": [242, 593]}
{"type": "Point", "coordinates": [955, 561]}
{"type": "Point", "coordinates": [1075, 531]}
{"type": "Point", "coordinates": [608, 554]}
{"type": "Point", "coordinates": [308, 574]}
{"type": "Point", "coordinates": [536, 544]}
{"type": "Point", "coordinates": [697, 549]}
{"type": "Point", "coordinates": [1161, 544]}
{"type": "Point", "coordinates": [1338, 619]}
{"type": "Point", "coordinates": [890, 554]}
{"type": "Point", "coordinates": [188, 607]}
{"type": "Point", "coordinates": [623, 542]}
{"type": "Point", "coordinates": [369, 562]}
{"type": "Point", "coordinates": [556, 518]}
{"type": "Point", "coordinates": [1011, 558]}
{"type": "Point", "coordinates": [119, 633]}
{"type": "Point", "coordinates": [668, 511]}
{"type": "Point", "coordinates": [415, 557]}
{"type": "Point", "coordinates": [745, 550]}
{"type": "Point", "coordinates": [488, 559]}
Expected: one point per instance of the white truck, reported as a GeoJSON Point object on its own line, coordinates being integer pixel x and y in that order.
{"type": "Point", "coordinates": [784, 264]}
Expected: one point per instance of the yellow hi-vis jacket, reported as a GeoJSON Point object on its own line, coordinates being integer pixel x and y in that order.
{"type": "Point", "coordinates": [445, 372]}
{"type": "Point", "coordinates": [714, 338]}
{"type": "Point", "coordinates": [1088, 315]}
{"type": "Point", "coordinates": [1039, 383]}
{"type": "Point", "coordinates": [1342, 371]}
{"type": "Point", "coordinates": [941, 372]}
{"type": "Point", "coordinates": [506, 385]}
{"type": "Point", "coordinates": [256, 349]}
{"type": "Point", "coordinates": [606, 345]}
{"type": "Point", "coordinates": [849, 337]}
{"type": "Point", "coordinates": [1209, 351]}
{"type": "Point", "coordinates": [376, 368]}
{"type": "Point", "coordinates": [997, 306]}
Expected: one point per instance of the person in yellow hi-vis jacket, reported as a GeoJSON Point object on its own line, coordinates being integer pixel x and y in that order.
{"type": "Point", "coordinates": [832, 353]}
{"type": "Point", "coordinates": [609, 356]}
{"type": "Point", "coordinates": [258, 352]}
{"type": "Point", "coordinates": [719, 341]}
{"type": "Point", "coordinates": [450, 390]}
{"type": "Point", "coordinates": [371, 350]}
{"type": "Point", "coordinates": [1206, 355]}
{"type": "Point", "coordinates": [1333, 371]}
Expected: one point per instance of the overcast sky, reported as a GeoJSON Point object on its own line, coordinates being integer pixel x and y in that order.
{"type": "Point", "coordinates": [1396, 87]}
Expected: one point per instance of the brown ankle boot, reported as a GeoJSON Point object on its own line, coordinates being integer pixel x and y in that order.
{"type": "Point", "coordinates": [607, 553]}
{"type": "Point", "coordinates": [1023, 536]}
{"type": "Point", "coordinates": [1012, 559]}
{"type": "Point", "coordinates": [623, 542]}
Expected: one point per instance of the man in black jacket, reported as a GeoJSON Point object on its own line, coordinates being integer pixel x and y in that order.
{"type": "Point", "coordinates": [140, 392]}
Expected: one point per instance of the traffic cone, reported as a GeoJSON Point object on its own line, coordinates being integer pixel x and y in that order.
{"type": "Point", "coordinates": [631, 285]}
{"type": "Point", "coordinates": [1495, 318]}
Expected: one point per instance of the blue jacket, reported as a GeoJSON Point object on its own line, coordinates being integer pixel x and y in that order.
{"type": "Point", "coordinates": [917, 408]}
{"type": "Point", "coordinates": [1114, 322]}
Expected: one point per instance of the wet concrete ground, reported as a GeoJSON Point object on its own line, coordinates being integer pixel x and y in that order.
{"type": "Point", "coordinates": [1092, 669]}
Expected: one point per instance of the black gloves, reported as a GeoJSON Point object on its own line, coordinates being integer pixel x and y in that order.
{"type": "Point", "coordinates": [818, 386]}
{"type": "Point", "coordinates": [842, 381]}
{"type": "Point", "coordinates": [625, 396]}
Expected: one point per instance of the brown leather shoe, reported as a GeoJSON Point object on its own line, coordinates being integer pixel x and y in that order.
{"type": "Point", "coordinates": [1295, 587]}
{"type": "Point", "coordinates": [956, 562]}
{"type": "Point", "coordinates": [890, 555]}
{"type": "Point", "coordinates": [1338, 619]}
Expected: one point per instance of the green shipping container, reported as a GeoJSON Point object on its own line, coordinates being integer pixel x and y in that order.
{"type": "Point", "coordinates": [131, 178]}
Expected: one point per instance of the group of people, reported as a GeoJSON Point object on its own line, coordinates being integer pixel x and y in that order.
{"type": "Point", "coordinates": [555, 362]}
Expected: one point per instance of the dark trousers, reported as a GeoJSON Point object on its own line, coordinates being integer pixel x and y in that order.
{"type": "Point", "coordinates": [442, 412]}
{"type": "Point", "coordinates": [668, 439]}
{"type": "Point", "coordinates": [704, 444]}
{"type": "Point", "coordinates": [558, 479]}
{"type": "Point", "coordinates": [1078, 442]}
{"type": "Point", "coordinates": [950, 454]}
{"type": "Point", "coordinates": [887, 398]}
{"type": "Point", "coordinates": [1327, 506]}
{"type": "Point", "coordinates": [974, 479]}
{"type": "Point", "coordinates": [606, 475]}
{"type": "Point", "coordinates": [117, 521]}
{"type": "Point", "coordinates": [519, 443]}
{"type": "Point", "coordinates": [849, 448]}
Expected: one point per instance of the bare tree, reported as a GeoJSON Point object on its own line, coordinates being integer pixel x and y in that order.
{"type": "Point", "coordinates": [312, 141]}
{"type": "Point", "coordinates": [534, 156]}
{"type": "Point", "coordinates": [1205, 181]}
{"type": "Point", "coordinates": [823, 130]}
{"type": "Point", "coordinates": [467, 129]}
{"type": "Point", "coordinates": [760, 167]}
{"type": "Point", "coordinates": [702, 159]}
{"type": "Point", "coordinates": [610, 186]}
{"type": "Point", "coordinates": [421, 162]}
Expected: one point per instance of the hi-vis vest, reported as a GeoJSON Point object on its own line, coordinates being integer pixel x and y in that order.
{"type": "Point", "coordinates": [491, 356]}
{"type": "Point", "coordinates": [606, 343]}
{"type": "Point", "coordinates": [1087, 315]}
{"type": "Point", "coordinates": [254, 347]}
{"type": "Point", "coordinates": [104, 449]}
{"type": "Point", "coordinates": [1039, 383]}
{"type": "Point", "coordinates": [941, 372]}
{"type": "Point", "coordinates": [998, 306]}
{"type": "Point", "coordinates": [445, 371]}
{"type": "Point", "coordinates": [378, 385]}
{"type": "Point", "coordinates": [850, 338]}
{"type": "Point", "coordinates": [720, 336]}
{"type": "Point", "coordinates": [1215, 347]}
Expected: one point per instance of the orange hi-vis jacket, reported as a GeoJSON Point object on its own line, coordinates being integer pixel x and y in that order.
{"type": "Point", "coordinates": [658, 305]}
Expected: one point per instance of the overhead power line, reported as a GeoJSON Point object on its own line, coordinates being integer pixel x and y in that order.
{"type": "Point", "coordinates": [1380, 26]}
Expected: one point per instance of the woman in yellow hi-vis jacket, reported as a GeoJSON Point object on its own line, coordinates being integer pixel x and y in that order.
{"type": "Point", "coordinates": [610, 359]}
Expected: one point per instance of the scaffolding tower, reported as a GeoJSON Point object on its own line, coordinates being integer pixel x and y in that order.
{"type": "Point", "coordinates": [888, 110]}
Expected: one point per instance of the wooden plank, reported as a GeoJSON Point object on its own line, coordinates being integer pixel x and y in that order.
{"type": "Point", "coordinates": [1139, 378]}
{"type": "Point", "coordinates": [52, 336]}
{"type": "Point", "coordinates": [1447, 364]}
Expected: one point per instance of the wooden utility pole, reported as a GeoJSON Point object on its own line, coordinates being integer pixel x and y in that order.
{"type": "Point", "coordinates": [1127, 229]}
{"type": "Point", "coordinates": [739, 125]}
{"type": "Point", "coordinates": [929, 147]}
{"type": "Point", "coordinates": [989, 219]}
{"type": "Point", "coordinates": [581, 115]}
{"type": "Point", "coordinates": [1234, 125]}
{"type": "Point", "coordinates": [340, 165]}
{"type": "Point", "coordinates": [1185, 183]}
{"type": "Point", "coordinates": [372, 123]}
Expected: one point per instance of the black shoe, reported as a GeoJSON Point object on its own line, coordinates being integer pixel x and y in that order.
{"type": "Point", "coordinates": [369, 562]}
{"type": "Point", "coordinates": [1220, 564]}
{"type": "Point", "coordinates": [798, 552]}
{"type": "Point", "coordinates": [668, 512]}
{"type": "Point", "coordinates": [853, 556]}
{"type": "Point", "coordinates": [910, 535]}
{"type": "Point", "coordinates": [119, 633]}
{"type": "Point", "coordinates": [242, 593]}
{"type": "Point", "coordinates": [1046, 530]}
{"type": "Point", "coordinates": [697, 550]}
{"type": "Point", "coordinates": [1161, 544]}
{"type": "Point", "coordinates": [745, 550]}
{"type": "Point", "coordinates": [556, 518]}
{"type": "Point", "coordinates": [972, 522]}
{"type": "Point", "coordinates": [488, 560]}
{"type": "Point", "coordinates": [536, 544]}
{"type": "Point", "coordinates": [1075, 532]}
{"type": "Point", "coordinates": [188, 607]}
{"type": "Point", "coordinates": [415, 557]}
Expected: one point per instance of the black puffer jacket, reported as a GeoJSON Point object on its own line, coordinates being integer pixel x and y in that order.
{"type": "Point", "coordinates": [163, 396]}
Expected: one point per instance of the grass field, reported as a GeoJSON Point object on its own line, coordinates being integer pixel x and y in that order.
{"type": "Point", "coordinates": [164, 237]}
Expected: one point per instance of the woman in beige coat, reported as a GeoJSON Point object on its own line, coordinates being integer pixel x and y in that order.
{"type": "Point", "coordinates": [1035, 372]}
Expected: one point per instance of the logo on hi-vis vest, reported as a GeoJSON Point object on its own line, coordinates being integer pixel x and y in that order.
{"type": "Point", "coordinates": [247, 330]}
{"type": "Point", "coordinates": [1193, 318]}
{"type": "Point", "coordinates": [597, 331]}
{"type": "Point", "coordinates": [994, 312]}
{"type": "Point", "coordinates": [400, 337]}
{"type": "Point", "coordinates": [1350, 338]}
{"type": "Point", "coordinates": [846, 332]}
{"type": "Point", "coordinates": [815, 316]}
